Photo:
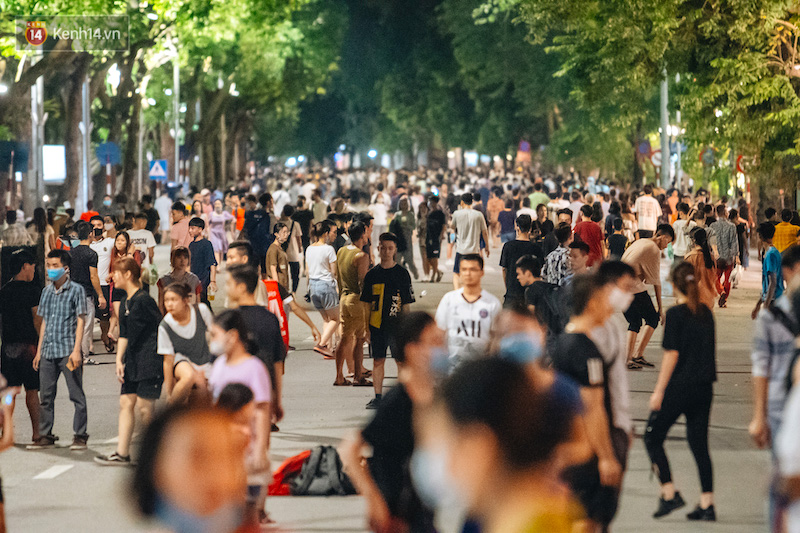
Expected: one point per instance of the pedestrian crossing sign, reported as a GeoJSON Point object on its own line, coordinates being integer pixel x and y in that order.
{"type": "Point", "coordinates": [158, 170]}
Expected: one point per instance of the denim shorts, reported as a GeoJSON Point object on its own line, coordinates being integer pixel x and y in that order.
{"type": "Point", "coordinates": [324, 295]}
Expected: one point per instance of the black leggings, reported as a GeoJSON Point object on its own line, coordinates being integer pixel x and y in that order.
{"type": "Point", "coordinates": [694, 401]}
{"type": "Point", "coordinates": [294, 268]}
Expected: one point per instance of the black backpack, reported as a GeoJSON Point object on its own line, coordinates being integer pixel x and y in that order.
{"type": "Point", "coordinates": [322, 475]}
{"type": "Point", "coordinates": [554, 312]}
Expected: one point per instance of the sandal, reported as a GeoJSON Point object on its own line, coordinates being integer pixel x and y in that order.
{"type": "Point", "coordinates": [346, 383]}
{"type": "Point", "coordinates": [363, 382]}
{"type": "Point", "coordinates": [632, 365]}
{"type": "Point", "coordinates": [643, 362]}
{"type": "Point", "coordinates": [324, 351]}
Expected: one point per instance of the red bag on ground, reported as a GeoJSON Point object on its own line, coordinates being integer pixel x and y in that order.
{"type": "Point", "coordinates": [289, 469]}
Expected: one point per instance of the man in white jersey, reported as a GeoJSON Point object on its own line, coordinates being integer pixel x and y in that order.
{"type": "Point", "coordinates": [648, 210]}
{"type": "Point", "coordinates": [467, 314]}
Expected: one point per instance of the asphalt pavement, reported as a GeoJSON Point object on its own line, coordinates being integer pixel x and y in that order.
{"type": "Point", "coordinates": [63, 491]}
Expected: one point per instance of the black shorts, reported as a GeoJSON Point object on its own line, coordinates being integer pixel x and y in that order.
{"type": "Point", "coordinates": [147, 389]}
{"type": "Point", "coordinates": [103, 314]}
{"type": "Point", "coordinates": [645, 234]}
{"type": "Point", "coordinates": [433, 249]}
{"type": "Point", "coordinates": [379, 343]}
{"type": "Point", "coordinates": [16, 361]}
{"type": "Point", "coordinates": [641, 309]}
{"type": "Point", "coordinates": [117, 295]}
{"type": "Point", "coordinates": [457, 263]}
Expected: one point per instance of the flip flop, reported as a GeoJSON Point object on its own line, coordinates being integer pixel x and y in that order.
{"type": "Point", "coordinates": [345, 384]}
{"type": "Point", "coordinates": [363, 382]}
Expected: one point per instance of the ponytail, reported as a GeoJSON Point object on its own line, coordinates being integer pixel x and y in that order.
{"type": "Point", "coordinates": [683, 278]}
{"type": "Point", "coordinates": [700, 238]}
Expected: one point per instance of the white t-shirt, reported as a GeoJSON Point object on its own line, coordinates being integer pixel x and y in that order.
{"type": "Point", "coordinates": [319, 259]}
{"type": "Point", "coordinates": [280, 199]}
{"type": "Point", "coordinates": [467, 325]}
{"type": "Point", "coordinates": [612, 344]}
{"type": "Point", "coordinates": [143, 240]}
{"type": "Point", "coordinates": [103, 249]}
{"type": "Point", "coordinates": [163, 205]}
{"type": "Point", "coordinates": [575, 207]}
{"type": "Point", "coordinates": [682, 240]}
{"type": "Point", "coordinates": [469, 225]}
{"type": "Point", "coordinates": [647, 212]}
{"type": "Point", "coordinates": [380, 214]}
{"type": "Point", "coordinates": [187, 331]}
{"type": "Point", "coordinates": [787, 450]}
{"type": "Point", "coordinates": [527, 211]}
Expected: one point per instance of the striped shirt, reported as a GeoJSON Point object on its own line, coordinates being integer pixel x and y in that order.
{"type": "Point", "coordinates": [60, 309]}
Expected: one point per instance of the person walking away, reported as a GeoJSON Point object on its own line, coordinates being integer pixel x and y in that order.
{"type": "Point", "coordinates": [264, 329]}
{"type": "Point", "coordinates": [597, 481]}
{"type": "Point", "coordinates": [422, 237]}
{"type": "Point", "coordinates": [293, 246]}
{"type": "Point", "coordinates": [557, 266]}
{"type": "Point", "coordinates": [470, 227]}
{"type": "Point", "coordinates": [235, 363]}
{"type": "Point", "coordinates": [435, 232]}
{"type": "Point", "coordinates": [704, 268]}
{"type": "Point", "coordinates": [512, 251]}
{"type": "Point", "coordinates": [20, 322]}
{"type": "Point", "coordinates": [322, 272]}
{"type": "Point", "coordinates": [467, 314]}
{"type": "Point", "coordinates": [353, 264]}
{"type": "Point", "coordinates": [83, 271]}
{"type": "Point", "coordinates": [15, 234]}
{"type": "Point", "coordinates": [387, 292]}
{"type": "Point", "coordinates": [682, 227]}
{"type": "Point", "coordinates": [590, 232]}
{"type": "Point", "coordinates": [617, 241]}
{"type": "Point", "coordinates": [218, 221]}
{"type": "Point", "coordinates": [179, 233]}
{"type": "Point", "coordinates": [505, 221]}
{"type": "Point", "coordinates": [407, 224]}
{"type": "Point", "coordinates": [183, 346]}
{"type": "Point", "coordinates": [139, 368]}
{"type": "Point", "coordinates": [379, 209]}
{"type": "Point", "coordinates": [163, 206]}
{"type": "Point", "coordinates": [685, 386]}
{"type": "Point", "coordinates": [726, 242]}
{"type": "Point", "coordinates": [493, 208]}
{"type": "Point", "coordinates": [785, 231]}
{"type": "Point", "coordinates": [648, 211]}
{"type": "Point", "coordinates": [203, 262]}
{"type": "Point", "coordinates": [644, 256]}
{"type": "Point", "coordinates": [304, 216]}
{"type": "Point", "coordinates": [63, 308]}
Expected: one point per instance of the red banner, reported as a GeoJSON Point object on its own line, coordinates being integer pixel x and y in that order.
{"type": "Point", "coordinates": [275, 305]}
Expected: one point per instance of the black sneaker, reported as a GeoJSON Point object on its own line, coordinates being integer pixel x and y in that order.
{"type": "Point", "coordinates": [667, 506]}
{"type": "Point", "coordinates": [703, 515]}
{"type": "Point", "coordinates": [643, 362]}
{"type": "Point", "coordinates": [374, 403]}
{"type": "Point", "coordinates": [45, 441]}
{"type": "Point", "coordinates": [114, 459]}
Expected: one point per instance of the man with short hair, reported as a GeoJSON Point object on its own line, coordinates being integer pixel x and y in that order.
{"type": "Point", "coordinates": [512, 251]}
{"type": "Point", "coordinates": [203, 261]}
{"type": "Point", "coordinates": [557, 265]}
{"type": "Point", "coordinates": [103, 246]}
{"type": "Point", "coordinates": [142, 239]}
{"type": "Point", "coordinates": [550, 242]}
{"type": "Point", "coordinates": [15, 234]}
{"type": "Point", "coordinates": [682, 228]}
{"type": "Point", "coordinates": [466, 314]}
{"type": "Point", "coordinates": [435, 232]}
{"type": "Point", "coordinates": [63, 310]}
{"type": "Point", "coordinates": [179, 233]}
{"type": "Point", "coordinates": [644, 255]}
{"type": "Point", "coordinates": [493, 208]}
{"type": "Point", "coordinates": [726, 245]}
{"type": "Point", "coordinates": [575, 206]}
{"type": "Point", "coordinates": [259, 225]}
{"type": "Point", "coordinates": [83, 271]}
{"type": "Point", "coordinates": [578, 259]}
{"type": "Point", "coordinates": [152, 215]}
{"type": "Point", "coordinates": [19, 303]}
{"type": "Point", "coordinates": [648, 211]}
{"type": "Point", "coordinates": [785, 232]}
{"type": "Point", "coordinates": [539, 197]}
{"type": "Point", "coordinates": [470, 226]}
{"type": "Point", "coordinates": [387, 292]}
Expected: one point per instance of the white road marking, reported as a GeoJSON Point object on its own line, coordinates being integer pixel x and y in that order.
{"type": "Point", "coordinates": [111, 441]}
{"type": "Point", "coordinates": [53, 472]}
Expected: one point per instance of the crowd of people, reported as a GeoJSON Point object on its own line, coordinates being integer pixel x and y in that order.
{"type": "Point", "coordinates": [515, 412]}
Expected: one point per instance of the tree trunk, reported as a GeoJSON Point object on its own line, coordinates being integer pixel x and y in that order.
{"type": "Point", "coordinates": [130, 163]}
{"type": "Point", "coordinates": [72, 134]}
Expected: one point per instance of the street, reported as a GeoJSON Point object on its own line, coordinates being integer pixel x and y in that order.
{"type": "Point", "coordinates": [63, 491]}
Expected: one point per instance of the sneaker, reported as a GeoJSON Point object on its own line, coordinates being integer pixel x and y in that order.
{"type": "Point", "coordinates": [88, 361]}
{"type": "Point", "coordinates": [46, 441]}
{"type": "Point", "coordinates": [703, 515]}
{"type": "Point", "coordinates": [114, 459]}
{"type": "Point", "coordinates": [667, 506]}
{"type": "Point", "coordinates": [374, 403]}
{"type": "Point", "coordinates": [275, 428]}
{"type": "Point", "coordinates": [79, 443]}
{"type": "Point", "coordinates": [643, 362]}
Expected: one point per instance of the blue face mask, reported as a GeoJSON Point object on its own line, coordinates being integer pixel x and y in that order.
{"type": "Point", "coordinates": [224, 520]}
{"type": "Point", "coordinates": [107, 203]}
{"type": "Point", "coordinates": [521, 348]}
{"type": "Point", "coordinates": [440, 362]}
{"type": "Point", "coordinates": [74, 243]}
{"type": "Point", "coordinates": [54, 274]}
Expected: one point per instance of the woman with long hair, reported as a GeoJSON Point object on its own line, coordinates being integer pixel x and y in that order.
{"type": "Point", "coordinates": [704, 268]}
{"type": "Point", "coordinates": [685, 386]}
{"type": "Point", "coordinates": [422, 235]}
{"type": "Point", "coordinates": [630, 228]}
{"type": "Point", "coordinates": [322, 274]}
{"type": "Point", "coordinates": [199, 212]}
{"type": "Point", "coordinates": [122, 248]}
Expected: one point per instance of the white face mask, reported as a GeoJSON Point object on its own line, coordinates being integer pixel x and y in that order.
{"type": "Point", "coordinates": [217, 348]}
{"type": "Point", "coordinates": [619, 300]}
{"type": "Point", "coordinates": [433, 483]}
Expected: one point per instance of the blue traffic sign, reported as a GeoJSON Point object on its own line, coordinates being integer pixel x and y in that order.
{"type": "Point", "coordinates": [158, 170]}
{"type": "Point", "coordinates": [108, 153]}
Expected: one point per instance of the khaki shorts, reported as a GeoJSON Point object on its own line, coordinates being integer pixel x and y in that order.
{"type": "Point", "coordinates": [353, 315]}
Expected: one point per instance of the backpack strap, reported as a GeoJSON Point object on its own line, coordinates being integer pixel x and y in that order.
{"type": "Point", "coordinates": [300, 485]}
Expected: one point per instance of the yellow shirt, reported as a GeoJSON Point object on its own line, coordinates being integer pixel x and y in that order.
{"type": "Point", "coordinates": [785, 236]}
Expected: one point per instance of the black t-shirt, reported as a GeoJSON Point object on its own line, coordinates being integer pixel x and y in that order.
{"type": "Point", "coordinates": [692, 335]}
{"type": "Point", "coordinates": [436, 221]}
{"type": "Point", "coordinates": [17, 298]}
{"type": "Point", "coordinates": [152, 219]}
{"type": "Point", "coordinates": [549, 244]}
{"type": "Point", "coordinates": [512, 251]}
{"type": "Point", "coordinates": [391, 435]}
{"type": "Point", "coordinates": [202, 254]}
{"type": "Point", "coordinates": [139, 318]}
{"type": "Point", "coordinates": [387, 289]}
{"type": "Point", "coordinates": [266, 331]}
{"type": "Point", "coordinates": [304, 218]}
{"type": "Point", "coordinates": [616, 245]}
{"type": "Point", "coordinates": [83, 257]}
{"type": "Point", "coordinates": [576, 356]}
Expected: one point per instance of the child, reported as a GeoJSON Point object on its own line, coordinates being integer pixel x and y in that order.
{"type": "Point", "coordinates": [179, 260]}
{"type": "Point", "coordinates": [617, 241]}
{"type": "Point", "coordinates": [771, 273]}
{"type": "Point", "coordinates": [204, 264]}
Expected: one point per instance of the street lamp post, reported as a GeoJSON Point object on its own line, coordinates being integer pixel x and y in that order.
{"type": "Point", "coordinates": [665, 156]}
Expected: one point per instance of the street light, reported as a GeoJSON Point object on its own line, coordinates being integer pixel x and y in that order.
{"type": "Point", "coordinates": [372, 154]}
{"type": "Point", "coordinates": [3, 88]}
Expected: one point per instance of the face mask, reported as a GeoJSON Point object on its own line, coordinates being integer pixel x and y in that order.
{"type": "Point", "coordinates": [224, 520]}
{"type": "Point", "coordinates": [440, 362]}
{"type": "Point", "coordinates": [54, 274]}
{"type": "Point", "coordinates": [216, 348]}
{"type": "Point", "coordinates": [619, 300]}
{"type": "Point", "coordinates": [109, 226]}
{"type": "Point", "coordinates": [98, 232]}
{"type": "Point", "coordinates": [218, 209]}
{"type": "Point", "coordinates": [74, 243]}
{"type": "Point", "coordinates": [521, 348]}
{"type": "Point", "coordinates": [433, 483]}
{"type": "Point", "coordinates": [107, 203]}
